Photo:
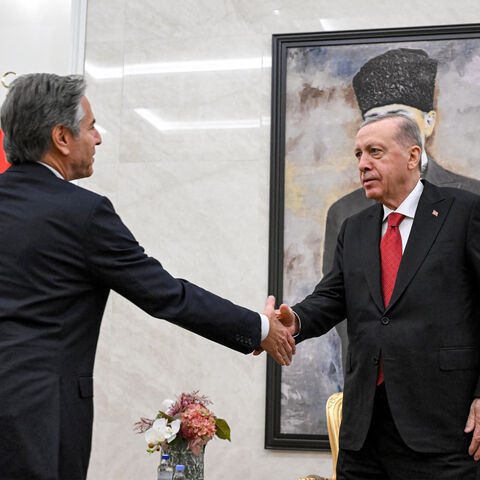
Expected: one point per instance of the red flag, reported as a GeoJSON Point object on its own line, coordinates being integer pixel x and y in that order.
{"type": "Point", "coordinates": [3, 160]}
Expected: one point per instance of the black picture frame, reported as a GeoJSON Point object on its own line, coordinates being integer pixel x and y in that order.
{"type": "Point", "coordinates": [281, 44]}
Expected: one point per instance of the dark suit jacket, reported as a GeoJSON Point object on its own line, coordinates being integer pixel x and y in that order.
{"type": "Point", "coordinates": [429, 335]}
{"type": "Point", "coordinates": [356, 201]}
{"type": "Point", "coordinates": [63, 249]}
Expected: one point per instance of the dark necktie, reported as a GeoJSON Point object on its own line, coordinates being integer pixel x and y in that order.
{"type": "Point", "coordinates": [391, 255]}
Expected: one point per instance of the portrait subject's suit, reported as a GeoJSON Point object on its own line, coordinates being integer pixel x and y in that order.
{"type": "Point", "coordinates": [356, 201]}
{"type": "Point", "coordinates": [63, 249]}
{"type": "Point", "coordinates": [429, 335]}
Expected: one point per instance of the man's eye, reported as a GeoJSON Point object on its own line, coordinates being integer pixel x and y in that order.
{"type": "Point", "coordinates": [358, 155]}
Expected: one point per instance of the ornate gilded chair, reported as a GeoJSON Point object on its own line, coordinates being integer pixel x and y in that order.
{"type": "Point", "coordinates": [313, 477]}
{"type": "Point", "coordinates": [334, 418]}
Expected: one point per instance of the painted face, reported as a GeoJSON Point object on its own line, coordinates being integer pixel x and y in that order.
{"type": "Point", "coordinates": [425, 121]}
{"type": "Point", "coordinates": [388, 170]}
{"type": "Point", "coordinates": [82, 151]}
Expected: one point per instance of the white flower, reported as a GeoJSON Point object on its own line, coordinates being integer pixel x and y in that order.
{"type": "Point", "coordinates": [161, 431]}
{"type": "Point", "coordinates": [166, 404]}
{"type": "Point", "coordinates": [175, 427]}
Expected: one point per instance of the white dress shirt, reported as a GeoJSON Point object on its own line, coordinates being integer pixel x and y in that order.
{"type": "Point", "coordinates": [56, 172]}
{"type": "Point", "coordinates": [407, 208]}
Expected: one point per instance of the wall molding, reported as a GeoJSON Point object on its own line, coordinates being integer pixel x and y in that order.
{"type": "Point", "coordinates": [78, 36]}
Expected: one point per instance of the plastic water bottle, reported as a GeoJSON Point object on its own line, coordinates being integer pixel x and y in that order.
{"type": "Point", "coordinates": [164, 470]}
{"type": "Point", "coordinates": [179, 473]}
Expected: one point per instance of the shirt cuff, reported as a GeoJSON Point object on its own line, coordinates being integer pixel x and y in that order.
{"type": "Point", "coordinates": [265, 326]}
{"type": "Point", "coordinates": [299, 324]}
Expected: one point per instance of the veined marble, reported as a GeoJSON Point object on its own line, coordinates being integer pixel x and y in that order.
{"type": "Point", "coordinates": [193, 186]}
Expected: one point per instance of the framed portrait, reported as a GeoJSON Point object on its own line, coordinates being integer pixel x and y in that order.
{"type": "Point", "coordinates": [323, 86]}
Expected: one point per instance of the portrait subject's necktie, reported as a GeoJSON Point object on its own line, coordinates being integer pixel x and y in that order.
{"type": "Point", "coordinates": [391, 256]}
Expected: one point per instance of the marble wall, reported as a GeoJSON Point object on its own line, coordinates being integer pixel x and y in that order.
{"type": "Point", "coordinates": [181, 93]}
{"type": "Point", "coordinates": [35, 36]}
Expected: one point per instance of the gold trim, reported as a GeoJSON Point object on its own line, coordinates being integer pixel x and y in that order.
{"type": "Point", "coordinates": [334, 419]}
{"type": "Point", "coordinates": [4, 76]}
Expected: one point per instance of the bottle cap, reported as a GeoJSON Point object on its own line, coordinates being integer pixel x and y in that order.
{"type": "Point", "coordinates": [180, 468]}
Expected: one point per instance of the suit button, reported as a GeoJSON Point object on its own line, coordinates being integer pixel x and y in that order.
{"type": "Point", "coordinates": [385, 320]}
{"type": "Point", "coordinates": [375, 360]}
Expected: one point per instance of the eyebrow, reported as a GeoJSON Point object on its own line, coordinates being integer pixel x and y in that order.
{"type": "Point", "coordinates": [369, 145]}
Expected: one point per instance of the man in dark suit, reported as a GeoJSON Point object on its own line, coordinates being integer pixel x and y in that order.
{"type": "Point", "coordinates": [413, 363]}
{"type": "Point", "coordinates": [63, 249]}
{"type": "Point", "coordinates": [398, 81]}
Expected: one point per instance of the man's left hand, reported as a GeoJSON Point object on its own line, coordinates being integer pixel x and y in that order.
{"type": "Point", "coordinates": [473, 425]}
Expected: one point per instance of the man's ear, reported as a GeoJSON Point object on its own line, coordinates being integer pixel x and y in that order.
{"type": "Point", "coordinates": [429, 119]}
{"type": "Point", "coordinates": [61, 137]}
{"type": "Point", "coordinates": [415, 153]}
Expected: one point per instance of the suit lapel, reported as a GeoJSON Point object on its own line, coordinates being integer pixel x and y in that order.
{"type": "Point", "coordinates": [371, 253]}
{"type": "Point", "coordinates": [431, 213]}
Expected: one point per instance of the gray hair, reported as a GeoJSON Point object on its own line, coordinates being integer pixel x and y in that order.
{"type": "Point", "coordinates": [35, 104]}
{"type": "Point", "coordinates": [407, 132]}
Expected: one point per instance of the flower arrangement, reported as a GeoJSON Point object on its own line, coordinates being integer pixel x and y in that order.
{"type": "Point", "coordinates": [186, 419]}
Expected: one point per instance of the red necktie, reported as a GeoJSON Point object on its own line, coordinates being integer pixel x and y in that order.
{"type": "Point", "coordinates": [391, 254]}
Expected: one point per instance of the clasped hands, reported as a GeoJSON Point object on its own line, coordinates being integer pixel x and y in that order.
{"type": "Point", "coordinates": [279, 342]}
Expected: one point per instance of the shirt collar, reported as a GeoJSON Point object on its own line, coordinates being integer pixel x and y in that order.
{"type": "Point", "coordinates": [409, 206]}
{"type": "Point", "coordinates": [56, 172]}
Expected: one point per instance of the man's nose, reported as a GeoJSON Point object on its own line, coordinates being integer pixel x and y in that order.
{"type": "Point", "coordinates": [364, 163]}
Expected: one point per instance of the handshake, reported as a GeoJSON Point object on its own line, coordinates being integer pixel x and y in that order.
{"type": "Point", "coordinates": [279, 342]}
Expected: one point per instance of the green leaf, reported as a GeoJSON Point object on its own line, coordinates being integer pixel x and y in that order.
{"type": "Point", "coordinates": [164, 415]}
{"type": "Point", "coordinates": [176, 440]}
{"type": "Point", "coordinates": [223, 430]}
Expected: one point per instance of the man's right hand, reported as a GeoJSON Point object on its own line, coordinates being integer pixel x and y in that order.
{"type": "Point", "coordinates": [288, 318]}
{"type": "Point", "coordinates": [279, 342]}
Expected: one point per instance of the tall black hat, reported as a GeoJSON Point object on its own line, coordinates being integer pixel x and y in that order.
{"type": "Point", "coordinates": [403, 75]}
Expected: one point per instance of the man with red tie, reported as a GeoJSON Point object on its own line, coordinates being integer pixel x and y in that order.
{"type": "Point", "coordinates": [406, 275]}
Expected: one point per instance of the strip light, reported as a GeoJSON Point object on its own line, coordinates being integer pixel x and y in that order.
{"type": "Point", "coordinates": [179, 67]}
{"type": "Point", "coordinates": [165, 126]}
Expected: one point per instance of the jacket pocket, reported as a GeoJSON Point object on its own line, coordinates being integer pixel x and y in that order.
{"type": "Point", "coordinates": [85, 387]}
{"type": "Point", "coordinates": [458, 358]}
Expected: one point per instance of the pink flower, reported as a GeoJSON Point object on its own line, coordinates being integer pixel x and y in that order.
{"type": "Point", "coordinates": [185, 400]}
{"type": "Point", "coordinates": [143, 425]}
{"type": "Point", "coordinates": [197, 423]}
{"type": "Point", "coordinates": [198, 426]}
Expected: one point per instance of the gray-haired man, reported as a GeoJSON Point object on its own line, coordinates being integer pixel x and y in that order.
{"type": "Point", "coordinates": [63, 249]}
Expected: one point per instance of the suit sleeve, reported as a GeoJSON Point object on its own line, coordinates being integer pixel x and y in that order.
{"type": "Point", "coordinates": [117, 261]}
{"type": "Point", "coordinates": [473, 258]}
{"type": "Point", "coordinates": [325, 307]}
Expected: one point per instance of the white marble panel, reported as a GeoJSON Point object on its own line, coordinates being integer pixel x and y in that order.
{"type": "Point", "coordinates": [106, 20]}
{"type": "Point", "coordinates": [206, 221]}
{"type": "Point", "coordinates": [202, 18]}
{"type": "Point", "coordinates": [190, 18]}
{"type": "Point", "coordinates": [215, 112]}
{"type": "Point", "coordinates": [105, 95]}
{"type": "Point", "coordinates": [142, 142]}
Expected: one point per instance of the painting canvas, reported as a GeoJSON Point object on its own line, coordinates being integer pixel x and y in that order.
{"type": "Point", "coordinates": [316, 112]}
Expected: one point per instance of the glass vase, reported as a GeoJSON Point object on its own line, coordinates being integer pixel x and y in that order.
{"type": "Point", "coordinates": [180, 454]}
